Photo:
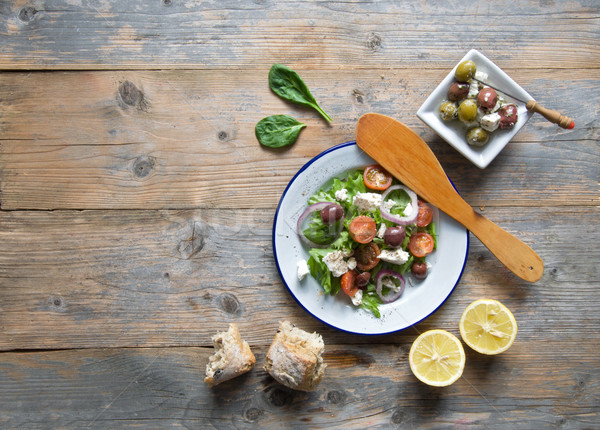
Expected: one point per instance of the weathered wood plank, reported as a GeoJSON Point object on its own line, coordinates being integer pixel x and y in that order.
{"type": "Point", "coordinates": [79, 279]}
{"type": "Point", "coordinates": [364, 387]}
{"type": "Point", "coordinates": [145, 140]}
{"type": "Point", "coordinates": [63, 34]}
{"type": "Point", "coordinates": [106, 315]}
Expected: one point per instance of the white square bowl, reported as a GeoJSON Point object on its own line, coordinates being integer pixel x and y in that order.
{"type": "Point", "coordinates": [454, 131]}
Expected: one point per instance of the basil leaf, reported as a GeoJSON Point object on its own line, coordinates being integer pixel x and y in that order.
{"type": "Point", "coordinates": [288, 85]}
{"type": "Point", "coordinates": [276, 131]}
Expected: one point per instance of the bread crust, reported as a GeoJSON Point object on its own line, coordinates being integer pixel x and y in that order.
{"type": "Point", "coordinates": [232, 357]}
{"type": "Point", "coordinates": [294, 358]}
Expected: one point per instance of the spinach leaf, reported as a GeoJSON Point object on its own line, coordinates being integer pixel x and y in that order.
{"type": "Point", "coordinates": [288, 85]}
{"type": "Point", "coordinates": [276, 131]}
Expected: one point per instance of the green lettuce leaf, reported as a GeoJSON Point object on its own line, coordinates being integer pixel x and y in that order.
{"type": "Point", "coordinates": [319, 232]}
{"type": "Point", "coordinates": [353, 183]}
{"type": "Point", "coordinates": [401, 200]}
{"type": "Point", "coordinates": [371, 303]}
{"type": "Point", "coordinates": [320, 271]}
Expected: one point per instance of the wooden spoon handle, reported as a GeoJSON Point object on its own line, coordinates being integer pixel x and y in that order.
{"type": "Point", "coordinates": [551, 115]}
{"type": "Point", "coordinates": [518, 257]}
{"type": "Point", "coordinates": [405, 155]}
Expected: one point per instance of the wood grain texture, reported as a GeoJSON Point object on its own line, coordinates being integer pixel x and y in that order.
{"type": "Point", "coordinates": [66, 34]}
{"type": "Point", "coordinates": [181, 139]}
{"type": "Point", "coordinates": [363, 387]}
{"type": "Point", "coordinates": [82, 279]}
{"type": "Point", "coordinates": [136, 209]}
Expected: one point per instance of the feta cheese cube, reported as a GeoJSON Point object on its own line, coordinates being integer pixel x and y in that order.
{"type": "Point", "coordinates": [482, 76]}
{"type": "Point", "coordinates": [499, 104]}
{"type": "Point", "coordinates": [388, 283]}
{"type": "Point", "coordinates": [381, 231]}
{"type": "Point", "coordinates": [490, 121]}
{"type": "Point", "coordinates": [335, 262]}
{"type": "Point", "coordinates": [408, 210]}
{"type": "Point", "coordinates": [351, 263]}
{"type": "Point", "coordinates": [396, 256]}
{"type": "Point", "coordinates": [367, 202]}
{"type": "Point", "coordinates": [357, 299]}
{"type": "Point", "coordinates": [302, 269]}
{"type": "Point", "coordinates": [388, 204]}
{"type": "Point", "coordinates": [473, 89]}
{"type": "Point", "coordinates": [341, 195]}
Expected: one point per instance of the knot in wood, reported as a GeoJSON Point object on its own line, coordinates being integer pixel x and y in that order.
{"type": "Point", "coordinates": [57, 304]}
{"type": "Point", "coordinates": [223, 136]}
{"type": "Point", "coordinates": [278, 397]}
{"type": "Point", "coordinates": [27, 13]}
{"type": "Point", "coordinates": [229, 304]}
{"type": "Point", "coordinates": [374, 42]}
{"type": "Point", "coordinates": [167, 2]}
{"type": "Point", "coordinates": [359, 96]}
{"type": "Point", "coordinates": [398, 416]}
{"type": "Point", "coordinates": [131, 96]}
{"type": "Point", "coordinates": [334, 397]}
{"type": "Point", "coordinates": [252, 414]}
{"type": "Point", "coordinates": [193, 244]}
{"type": "Point", "coordinates": [142, 166]}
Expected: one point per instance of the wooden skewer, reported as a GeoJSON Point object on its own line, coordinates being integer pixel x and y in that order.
{"type": "Point", "coordinates": [551, 115]}
{"type": "Point", "coordinates": [533, 106]}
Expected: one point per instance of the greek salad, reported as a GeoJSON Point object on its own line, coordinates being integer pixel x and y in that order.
{"type": "Point", "coordinates": [365, 232]}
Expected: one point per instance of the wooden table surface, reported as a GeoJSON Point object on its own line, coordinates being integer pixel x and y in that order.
{"type": "Point", "coordinates": [137, 209]}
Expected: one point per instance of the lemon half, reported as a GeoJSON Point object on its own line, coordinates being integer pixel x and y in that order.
{"type": "Point", "coordinates": [488, 326]}
{"type": "Point", "coordinates": [437, 358]}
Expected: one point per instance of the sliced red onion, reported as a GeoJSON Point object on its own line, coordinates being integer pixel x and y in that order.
{"type": "Point", "coordinates": [309, 210]}
{"type": "Point", "coordinates": [400, 220]}
{"type": "Point", "coordinates": [392, 295]}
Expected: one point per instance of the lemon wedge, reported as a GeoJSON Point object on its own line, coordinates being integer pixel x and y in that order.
{"type": "Point", "coordinates": [488, 326]}
{"type": "Point", "coordinates": [437, 358]}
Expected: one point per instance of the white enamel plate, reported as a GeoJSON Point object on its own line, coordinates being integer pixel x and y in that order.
{"type": "Point", "coordinates": [420, 298]}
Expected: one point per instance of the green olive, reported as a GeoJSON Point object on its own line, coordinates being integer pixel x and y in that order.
{"type": "Point", "coordinates": [448, 111]}
{"type": "Point", "coordinates": [465, 71]}
{"type": "Point", "coordinates": [477, 136]}
{"type": "Point", "coordinates": [467, 111]}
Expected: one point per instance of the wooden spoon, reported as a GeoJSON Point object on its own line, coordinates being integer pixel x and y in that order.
{"type": "Point", "coordinates": [406, 156]}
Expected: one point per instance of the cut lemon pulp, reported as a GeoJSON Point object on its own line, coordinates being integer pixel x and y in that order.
{"type": "Point", "coordinates": [437, 358]}
{"type": "Point", "coordinates": [488, 327]}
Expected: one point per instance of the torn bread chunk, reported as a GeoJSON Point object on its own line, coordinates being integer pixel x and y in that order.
{"type": "Point", "coordinates": [232, 357]}
{"type": "Point", "coordinates": [294, 358]}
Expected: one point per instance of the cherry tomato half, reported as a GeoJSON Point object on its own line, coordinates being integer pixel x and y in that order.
{"type": "Point", "coordinates": [362, 229]}
{"type": "Point", "coordinates": [420, 244]}
{"type": "Point", "coordinates": [425, 215]}
{"type": "Point", "coordinates": [367, 256]}
{"type": "Point", "coordinates": [348, 282]}
{"type": "Point", "coordinates": [376, 178]}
